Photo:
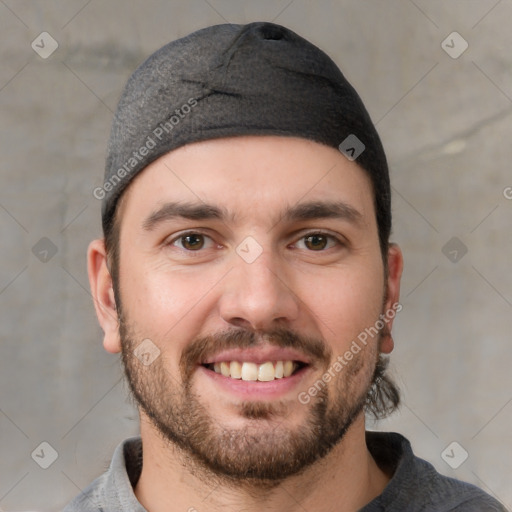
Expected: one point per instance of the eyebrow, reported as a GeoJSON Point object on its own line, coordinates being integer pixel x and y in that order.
{"type": "Point", "coordinates": [303, 211]}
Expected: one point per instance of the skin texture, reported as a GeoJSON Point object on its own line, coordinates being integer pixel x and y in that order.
{"type": "Point", "coordinates": [201, 439]}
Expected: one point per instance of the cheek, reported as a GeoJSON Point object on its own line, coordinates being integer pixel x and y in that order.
{"type": "Point", "coordinates": [166, 305]}
{"type": "Point", "coordinates": [346, 303]}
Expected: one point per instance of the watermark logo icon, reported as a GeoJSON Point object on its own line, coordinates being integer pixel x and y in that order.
{"type": "Point", "coordinates": [45, 455]}
{"type": "Point", "coordinates": [454, 45]}
{"type": "Point", "coordinates": [249, 249]}
{"type": "Point", "coordinates": [44, 250]}
{"type": "Point", "coordinates": [44, 45]}
{"type": "Point", "coordinates": [454, 249]}
{"type": "Point", "coordinates": [352, 147]}
{"type": "Point", "coordinates": [146, 352]}
{"type": "Point", "coordinates": [454, 455]}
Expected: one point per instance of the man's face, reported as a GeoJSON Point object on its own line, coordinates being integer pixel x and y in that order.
{"type": "Point", "coordinates": [236, 254]}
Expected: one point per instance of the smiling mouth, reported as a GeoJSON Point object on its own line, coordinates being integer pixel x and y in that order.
{"type": "Point", "coordinates": [248, 371]}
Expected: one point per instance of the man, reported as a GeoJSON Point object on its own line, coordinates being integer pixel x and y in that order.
{"type": "Point", "coordinates": [247, 278]}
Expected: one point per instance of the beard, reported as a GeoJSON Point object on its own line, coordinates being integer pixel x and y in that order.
{"type": "Point", "coordinates": [266, 450]}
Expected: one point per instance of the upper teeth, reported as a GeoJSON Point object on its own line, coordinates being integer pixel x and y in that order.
{"type": "Point", "coordinates": [269, 370]}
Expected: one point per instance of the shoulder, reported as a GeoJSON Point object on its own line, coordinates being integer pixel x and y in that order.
{"type": "Point", "coordinates": [90, 499]}
{"type": "Point", "coordinates": [113, 490]}
{"type": "Point", "coordinates": [445, 494]}
{"type": "Point", "coordinates": [417, 486]}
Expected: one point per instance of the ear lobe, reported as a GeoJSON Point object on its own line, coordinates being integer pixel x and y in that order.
{"type": "Point", "coordinates": [392, 306]}
{"type": "Point", "coordinates": [102, 291]}
{"type": "Point", "coordinates": [387, 343]}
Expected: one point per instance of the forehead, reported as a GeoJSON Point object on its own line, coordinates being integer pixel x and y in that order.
{"type": "Point", "coordinates": [250, 177]}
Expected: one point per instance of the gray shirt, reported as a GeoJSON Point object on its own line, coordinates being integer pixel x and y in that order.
{"type": "Point", "coordinates": [415, 486]}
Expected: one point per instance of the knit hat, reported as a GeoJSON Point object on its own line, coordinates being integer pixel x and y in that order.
{"type": "Point", "coordinates": [229, 80]}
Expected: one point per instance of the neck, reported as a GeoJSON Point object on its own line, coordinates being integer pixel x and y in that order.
{"type": "Point", "coordinates": [346, 479]}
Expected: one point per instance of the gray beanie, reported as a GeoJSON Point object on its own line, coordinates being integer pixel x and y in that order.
{"type": "Point", "coordinates": [228, 80]}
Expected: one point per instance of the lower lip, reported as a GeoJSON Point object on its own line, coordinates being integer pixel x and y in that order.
{"type": "Point", "coordinates": [254, 389]}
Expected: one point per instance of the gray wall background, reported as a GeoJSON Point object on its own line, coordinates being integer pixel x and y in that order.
{"type": "Point", "coordinates": [446, 125]}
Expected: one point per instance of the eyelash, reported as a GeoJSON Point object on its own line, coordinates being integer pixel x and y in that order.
{"type": "Point", "coordinates": [331, 237]}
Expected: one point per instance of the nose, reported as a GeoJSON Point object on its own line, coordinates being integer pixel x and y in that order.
{"type": "Point", "coordinates": [258, 295]}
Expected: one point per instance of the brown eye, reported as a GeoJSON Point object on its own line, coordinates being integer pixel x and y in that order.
{"type": "Point", "coordinates": [192, 242]}
{"type": "Point", "coordinates": [315, 242]}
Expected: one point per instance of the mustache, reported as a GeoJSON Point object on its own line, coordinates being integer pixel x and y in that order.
{"type": "Point", "coordinates": [206, 346]}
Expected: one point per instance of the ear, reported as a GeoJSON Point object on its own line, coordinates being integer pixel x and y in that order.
{"type": "Point", "coordinates": [392, 305]}
{"type": "Point", "coordinates": [102, 291]}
